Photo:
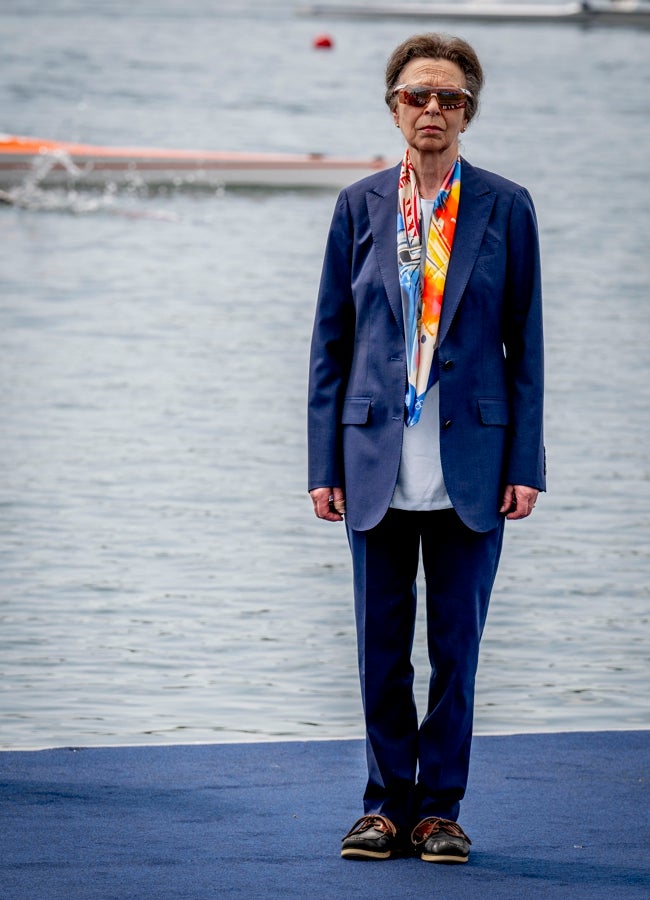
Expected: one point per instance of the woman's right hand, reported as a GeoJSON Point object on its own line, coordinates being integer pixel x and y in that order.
{"type": "Point", "coordinates": [329, 503]}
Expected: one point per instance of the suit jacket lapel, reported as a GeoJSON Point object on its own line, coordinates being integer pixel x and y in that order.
{"type": "Point", "coordinates": [382, 212]}
{"type": "Point", "coordinates": [476, 202]}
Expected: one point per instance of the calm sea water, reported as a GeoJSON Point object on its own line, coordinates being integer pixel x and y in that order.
{"type": "Point", "coordinates": [162, 577]}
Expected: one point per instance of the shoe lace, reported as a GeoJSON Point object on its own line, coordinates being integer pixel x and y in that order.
{"type": "Point", "coordinates": [379, 823]}
{"type": "Point", "coordinates": [434, 825]}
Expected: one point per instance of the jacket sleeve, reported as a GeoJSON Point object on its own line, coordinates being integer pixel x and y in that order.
{"type": "Point", "coordinates": [331, 351]}
{"type": "Point", "coordinates": [523, 339]}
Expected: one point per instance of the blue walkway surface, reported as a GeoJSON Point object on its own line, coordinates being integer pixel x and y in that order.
{"type": "Point", "coordinates": [550, 815]}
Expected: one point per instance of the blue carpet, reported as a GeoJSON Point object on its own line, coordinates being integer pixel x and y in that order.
{"type": "Point", "coordinates": [550, 815]}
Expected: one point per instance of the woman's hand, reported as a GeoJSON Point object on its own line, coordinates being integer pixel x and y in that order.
{"type": "Point", "coordinates": [329, 503]}
{"type": "Point", "coordinates": [518, 501]}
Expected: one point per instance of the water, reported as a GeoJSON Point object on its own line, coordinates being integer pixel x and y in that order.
{"type": "Point", "coordinates": [162, 577]}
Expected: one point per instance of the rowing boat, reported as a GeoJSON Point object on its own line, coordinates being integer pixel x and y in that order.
{"type": "Point", "coordinates": [47, 163]}
{"type": "Point", "coordinates": [617, 12]}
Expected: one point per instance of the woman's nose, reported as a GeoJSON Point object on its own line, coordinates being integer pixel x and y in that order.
{"type": "Point", "coordinates": [432, 107]}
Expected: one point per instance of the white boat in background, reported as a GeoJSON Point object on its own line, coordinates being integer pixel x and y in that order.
{"type": "Point", "coordinates": [590, 12]}
{"type": "Point", "coordinates": [46, 163]}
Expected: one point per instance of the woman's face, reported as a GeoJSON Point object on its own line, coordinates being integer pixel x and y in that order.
{"type": "Point", "coordinates": [430, 129]}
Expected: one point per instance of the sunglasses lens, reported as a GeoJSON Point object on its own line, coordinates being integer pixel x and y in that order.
{"type": "Point", "coordinates": [414, 96]}
{"type": "Point", "coordinates": [451, 99]}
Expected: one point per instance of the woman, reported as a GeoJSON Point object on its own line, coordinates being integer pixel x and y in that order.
{"type": "Point", "coordinates": [425, 430]}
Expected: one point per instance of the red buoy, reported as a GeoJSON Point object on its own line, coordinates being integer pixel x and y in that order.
{"type": "Point", "coordinates": [323, 42]}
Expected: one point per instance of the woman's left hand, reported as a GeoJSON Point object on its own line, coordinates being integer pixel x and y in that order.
{"type": "Point", "coordinates": [518, 501]}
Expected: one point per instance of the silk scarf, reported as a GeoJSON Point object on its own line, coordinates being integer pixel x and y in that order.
{"type": "Point", "coordinates": [422, 288]}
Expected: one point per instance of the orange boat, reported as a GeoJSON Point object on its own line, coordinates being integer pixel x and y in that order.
{"type": "Point", "coordinates": [45, 163]}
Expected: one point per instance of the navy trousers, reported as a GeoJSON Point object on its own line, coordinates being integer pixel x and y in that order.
{"type": "Point", "coordinates": [420, 769]}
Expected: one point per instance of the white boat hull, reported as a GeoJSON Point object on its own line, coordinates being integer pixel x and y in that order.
{"type": "Point", "coordinates": [619, 12]}
{"type": "Point", "coordinates": [29, 161]}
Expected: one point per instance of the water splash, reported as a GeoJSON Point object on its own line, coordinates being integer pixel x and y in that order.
{"type": "Point", "coordinates": [31, 195]}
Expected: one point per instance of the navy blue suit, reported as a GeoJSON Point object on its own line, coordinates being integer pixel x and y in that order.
{"type": "Point", "coordinates": [490, 370]}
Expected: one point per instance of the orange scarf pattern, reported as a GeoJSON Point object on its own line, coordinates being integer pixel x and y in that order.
{"type": "Point", "coordinates": [423, 288]}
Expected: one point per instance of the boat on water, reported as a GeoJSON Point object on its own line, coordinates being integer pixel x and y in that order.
{"type": "Point", "coordinates": [634, 13]}
{"type": "Point", "coordinates": [46, 163]}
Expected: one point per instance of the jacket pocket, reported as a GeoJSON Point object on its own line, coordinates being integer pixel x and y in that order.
{"type": "Point", "coordinates": [494, 412]}
{"type": "Point", "coordinates": [356, 411]}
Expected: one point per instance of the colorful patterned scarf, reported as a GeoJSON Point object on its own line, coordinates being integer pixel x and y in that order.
{"type": "Point", "coordinates": [422, 298]}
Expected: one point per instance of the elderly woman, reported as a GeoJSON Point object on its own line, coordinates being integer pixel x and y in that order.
{"type": "Point", "coordinates": [425, 431]}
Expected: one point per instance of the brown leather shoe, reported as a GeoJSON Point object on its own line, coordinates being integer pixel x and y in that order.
{"type": "Point", "coordinates": [371, 837]}
{"type": "Point", "coordinates": [440, 840]}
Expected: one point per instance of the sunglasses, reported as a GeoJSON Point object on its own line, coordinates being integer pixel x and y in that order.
{"type": "Point", "coordinates": [420, 95]}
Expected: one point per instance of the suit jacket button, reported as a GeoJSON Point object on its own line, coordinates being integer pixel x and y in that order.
{"type": "Point", "coordinates": [448, 364]}
{"type": "Point", "coordinates": [446, 423]}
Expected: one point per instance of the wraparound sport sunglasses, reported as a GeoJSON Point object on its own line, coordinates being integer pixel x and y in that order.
{"type": "Point", "coordinates": [421, 94]}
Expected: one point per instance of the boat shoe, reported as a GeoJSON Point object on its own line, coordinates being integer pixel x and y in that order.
{"type": "Point", "coordinates": [371, 837]}
{"type": "Point", "coordinates": [440, 840]}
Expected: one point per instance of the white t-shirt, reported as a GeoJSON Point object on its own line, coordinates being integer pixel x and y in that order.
{"type": "Point", "coordinates": [420, 485]}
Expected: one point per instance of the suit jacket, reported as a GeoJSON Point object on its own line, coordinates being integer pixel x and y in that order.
{"type": "Point", "coordinates": [489, 352]}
